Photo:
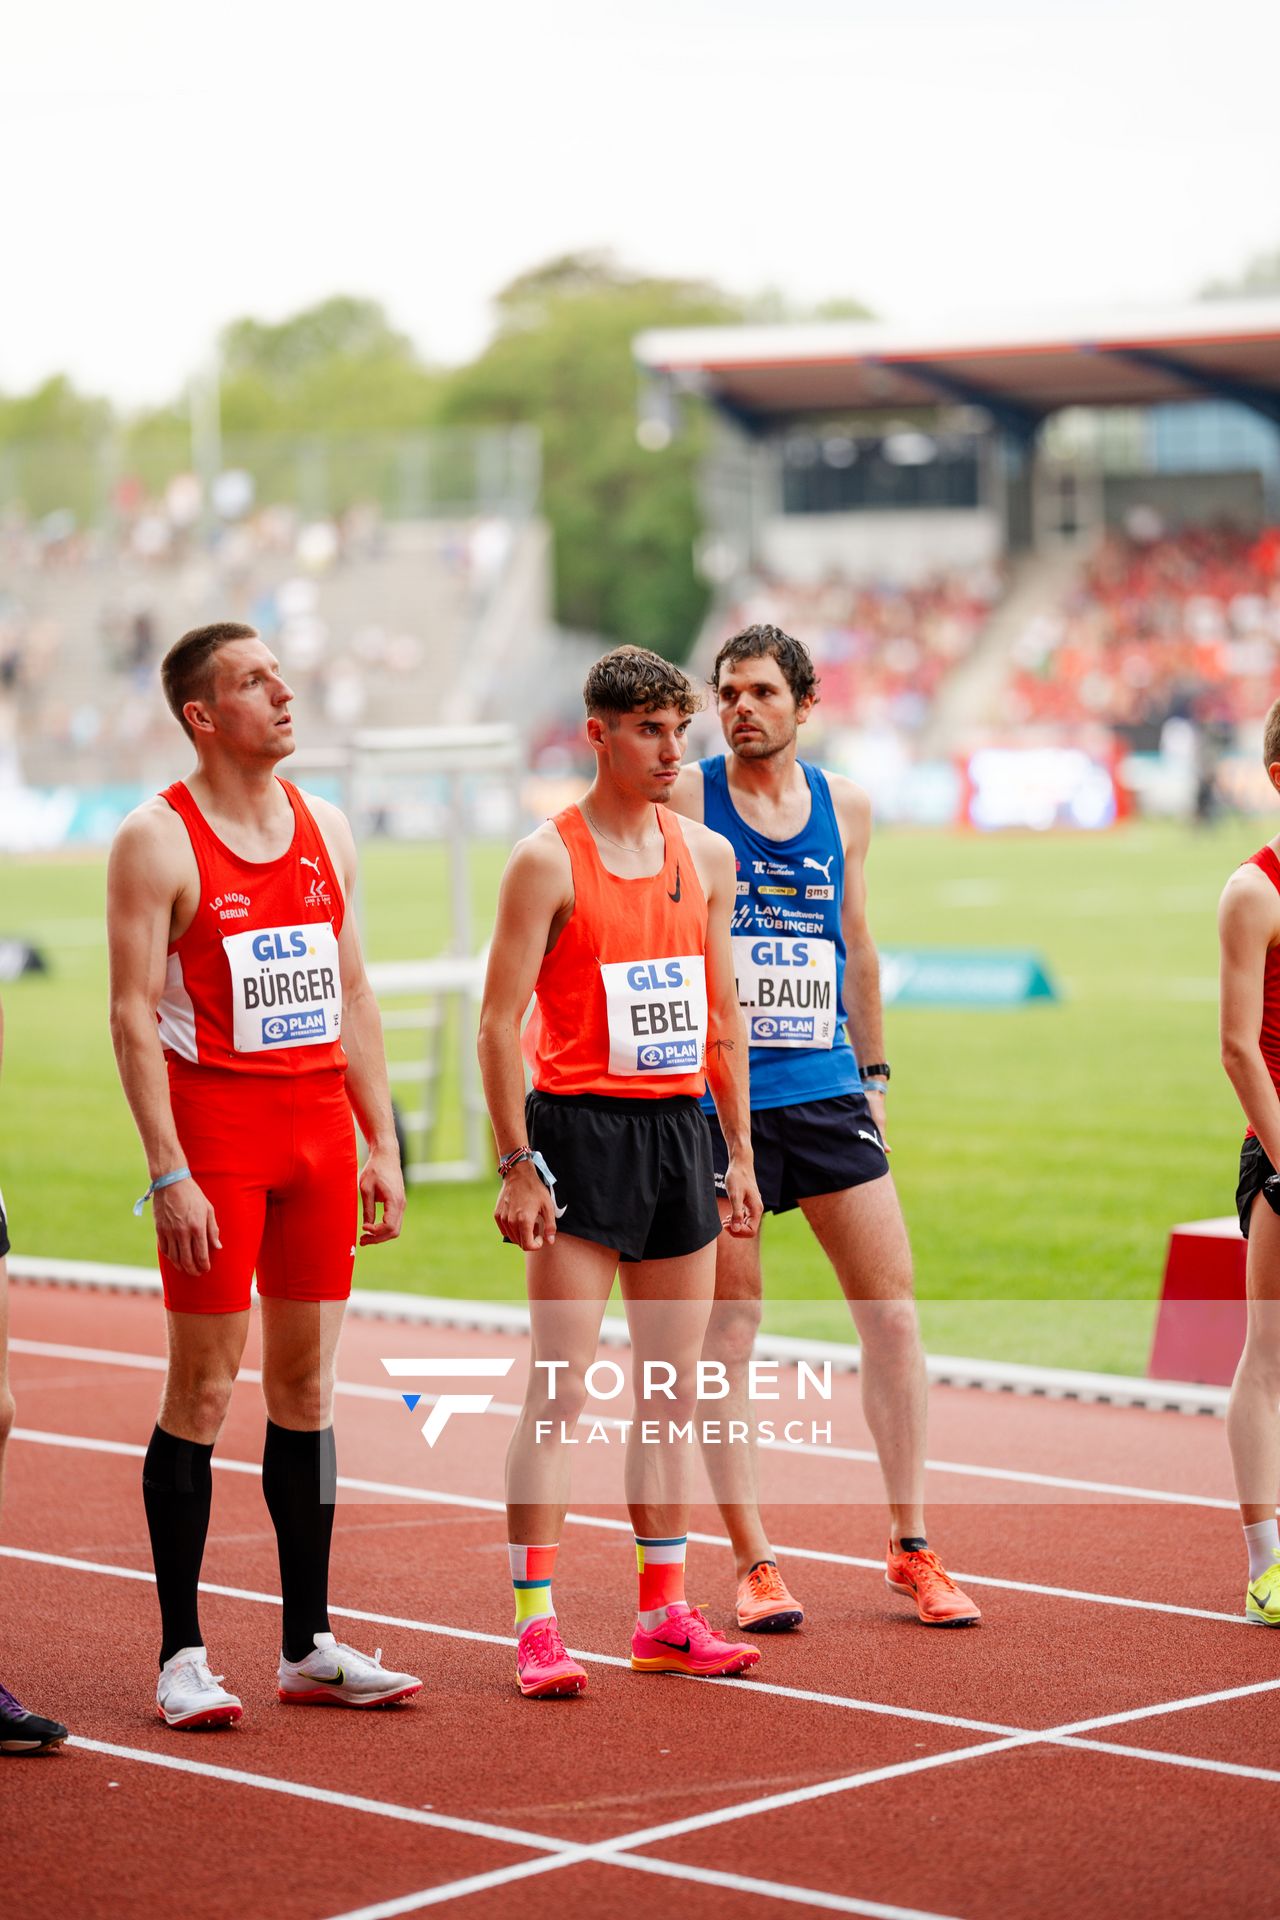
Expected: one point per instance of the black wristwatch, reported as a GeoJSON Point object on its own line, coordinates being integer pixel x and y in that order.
{"type": "Point", "coordinates": [880, 1071]}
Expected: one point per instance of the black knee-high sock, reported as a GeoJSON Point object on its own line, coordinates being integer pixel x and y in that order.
{"type": "Point", "coordinates": [177, 1486]}
{"type": "Point", "coordinates": [299, 1483]}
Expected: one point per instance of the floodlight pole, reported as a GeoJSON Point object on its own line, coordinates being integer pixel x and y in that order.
{"type": "Point", "coordinates": [205, 414]}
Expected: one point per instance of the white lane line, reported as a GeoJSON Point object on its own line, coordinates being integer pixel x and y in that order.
{"type": "Point", "coordinates": [457, 1889]}
{"type": "Point", "coordinates": [329, 1797]}
{"type": "Point", "coordinates": [863, 1456]}
{"type": "Point", "coordinates": [666, 1869]}
{"type": "Point", "coordinates": [818, 1790]}
{"type": "Point", "coordinates": [611, 1851]}
{"type": "Point", "coordinates": [408, 1625]}
{"type": "Point", "coordinates": [559, 1853]}
{"type": "Point", "coordinates": [428, 1496]}
{"type": "Point", "coordinates": [1065, 1736]}
{"type": "Point", "coordinates": [1184, 1704]}
{"type": "Point", "coordinates": [1231, 1767]}
{"type": "Point", "coordinates": [768, 1889]}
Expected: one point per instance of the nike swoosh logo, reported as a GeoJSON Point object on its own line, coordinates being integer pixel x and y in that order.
{"type": "Point", "coordinates": [676, 895]}
{"type": "Point", "coordinates": [337, 1679]}
{"type": "Point", "coordinates": [678, 1646]}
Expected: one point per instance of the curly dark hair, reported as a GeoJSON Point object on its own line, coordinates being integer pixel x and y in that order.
{"type": "Point", "coordinates": [633, 677]}
{"type": "Point", "coordinates": [793, 657]}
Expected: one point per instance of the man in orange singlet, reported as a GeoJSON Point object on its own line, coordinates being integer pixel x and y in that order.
{"type": "Point", "coordinates": [1249, 933]}
{"type": "Point", "coordinates": [617, 915]}
{"type": "Point", "coordinates": [234, 966]}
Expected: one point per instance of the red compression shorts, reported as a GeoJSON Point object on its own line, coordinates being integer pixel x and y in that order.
{"type": "Point", "coordinates": [276, 1159]}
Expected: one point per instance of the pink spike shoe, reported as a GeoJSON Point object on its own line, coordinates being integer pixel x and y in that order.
{"type": "Point", "coordinates": [544, 1670]}
{"type": "Point", "coordinates": [686, 1643]}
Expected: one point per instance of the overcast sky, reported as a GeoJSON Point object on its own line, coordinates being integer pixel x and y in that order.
{"type": "Point", "coordinates": [167, 167]}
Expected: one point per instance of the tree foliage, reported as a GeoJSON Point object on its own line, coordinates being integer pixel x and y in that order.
{"type": "Point", "coordinates": [53, 411]}
{"type": "Point", "coordinates": [624, 521]}
{"type": "Point", "coordinates": [337, 367]}
{"type": "Point", "coordinates": [1259, 276]}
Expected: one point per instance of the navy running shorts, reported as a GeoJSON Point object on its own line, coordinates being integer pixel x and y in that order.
{"type": "Point", "coordinates": [821, 1146]}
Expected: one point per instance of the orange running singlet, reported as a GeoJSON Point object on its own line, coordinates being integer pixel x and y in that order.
{"type": "Point", "coordinates": [623, 993]}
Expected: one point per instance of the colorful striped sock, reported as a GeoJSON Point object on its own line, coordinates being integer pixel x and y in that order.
{"type": "Point", "coordinates": [531, 1571]}
{"type": "Point", "coordinates": [660, 1564]}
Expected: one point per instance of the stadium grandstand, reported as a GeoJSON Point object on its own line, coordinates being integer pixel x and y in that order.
{"type": "Point", "coordinates": [397, 578]}
{"type": "Point", "coordinates": [1058, 540]}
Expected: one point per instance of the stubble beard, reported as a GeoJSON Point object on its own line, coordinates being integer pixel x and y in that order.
{"type": "Point", "coordinates": [759, 749]}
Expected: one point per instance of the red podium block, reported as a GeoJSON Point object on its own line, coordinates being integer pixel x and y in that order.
{"type": "Point", "coordinates": [1201, 1322]}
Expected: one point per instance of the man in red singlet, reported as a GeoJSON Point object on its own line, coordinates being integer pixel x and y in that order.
{"type": "Point", "coordinates": [617, 915]}
{"type": "Point", "coordinates": [234, 967]}
{"type": "Point", "coordinates": [1249, 934]}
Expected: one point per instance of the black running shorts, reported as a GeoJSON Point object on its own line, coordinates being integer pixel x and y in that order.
{"type": "Point", "coordinates": [822, 1146]}
{"type": "Point", "coordinates": [4, 1230]}
{"type": "Point", "coordinates": [635, 1175]}
{"type": "Point", "coordinates": [1254, 1169]}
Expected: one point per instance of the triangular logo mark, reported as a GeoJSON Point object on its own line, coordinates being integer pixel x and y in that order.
{"type": "Point", "coordinates": [411, 1400]}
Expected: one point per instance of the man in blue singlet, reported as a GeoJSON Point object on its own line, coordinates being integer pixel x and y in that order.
{"type": "Point", "coordinates": [809, 982]}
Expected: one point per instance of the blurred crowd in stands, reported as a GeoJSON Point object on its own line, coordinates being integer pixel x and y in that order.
{"type": "Point", "coordinates": [1158, 625]}
{"type": "Point", "coordinates": [882, 652]}
{"type": "Point", "coordinates": [360, 612]}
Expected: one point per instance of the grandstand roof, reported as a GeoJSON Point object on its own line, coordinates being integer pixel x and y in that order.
{"type": "Point", "coordinates": [1020, 371]}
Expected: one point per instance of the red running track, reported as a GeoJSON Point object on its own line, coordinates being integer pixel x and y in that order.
{"type": "Point", "coordinates": [1108, 1740]}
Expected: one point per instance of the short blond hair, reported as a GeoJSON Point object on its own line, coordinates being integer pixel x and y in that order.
{"type": "Point", "coordinates": [1271, 737]}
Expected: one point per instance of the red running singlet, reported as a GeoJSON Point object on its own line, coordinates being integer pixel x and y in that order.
{"type": "Point", "coordinates": [253, 984]}
{"type": "Point", "coordinates": [1269, 1035]}
{"type": "Point", "coordinates": [623, 993]}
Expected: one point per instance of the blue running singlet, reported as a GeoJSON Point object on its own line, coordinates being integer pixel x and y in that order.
{"type": "Point", "coordinates": [788, 947]}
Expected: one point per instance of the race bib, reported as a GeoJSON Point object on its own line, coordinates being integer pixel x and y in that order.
{"type": "Point", "coordinates": [787, 989]}
{"type": "Point", "coordinates": [285, 986]}
{"type": "Point", "coordinates": [657, 1014]}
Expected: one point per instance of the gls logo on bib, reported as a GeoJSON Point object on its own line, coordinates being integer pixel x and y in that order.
{"type": "Point", "coordinates": [657, 1012]}
{"type": "Point", "coordinates": [787, 988]}
{"type": "Point", "coordinates": [285, 985]}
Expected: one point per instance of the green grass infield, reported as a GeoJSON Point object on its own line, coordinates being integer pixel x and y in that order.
{"type": "Point", "coordinates": [1042, 1153]}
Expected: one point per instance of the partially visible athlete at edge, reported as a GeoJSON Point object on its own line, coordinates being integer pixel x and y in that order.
{"type": "Point", "coordinates": [808, 977]}
{"type": "Point", "coordinates": [21, 1731]}
{"type": "Point", "coordinates": [1249, 935]}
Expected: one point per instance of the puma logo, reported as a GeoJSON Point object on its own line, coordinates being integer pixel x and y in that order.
{"type": "Point", "coordinates": [313, 864]}
{"type": "Point", "coordinates": [676, 895]}
{"type": "Point", "coordinates": [821, 866]}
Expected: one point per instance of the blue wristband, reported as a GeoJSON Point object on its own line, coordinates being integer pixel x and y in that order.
{"type": "Point", "coordinates": [547, 1178]}
{"type": "Point", "coordinates": [165, 1180]}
